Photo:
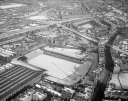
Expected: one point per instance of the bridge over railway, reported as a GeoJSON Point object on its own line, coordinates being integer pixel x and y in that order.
{"type": "Point", "coordinates": [79, 34]}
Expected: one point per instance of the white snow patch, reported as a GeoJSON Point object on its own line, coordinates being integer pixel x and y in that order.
{"type": "Point", "coordinates": [87, 26]}
{"type": "Point", "coordinates": [56, 67]}
{"type": "Point", "coordinates": [121, 80]}
{"type": "Point", "coordinates": [12, 5]}
{"type": "Point", "coordinates": [38, 17]}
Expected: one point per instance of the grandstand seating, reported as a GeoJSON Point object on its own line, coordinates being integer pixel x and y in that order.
{"type": "Point", "coordinates": [15, 79]}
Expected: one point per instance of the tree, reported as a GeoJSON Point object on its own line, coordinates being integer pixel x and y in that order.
{"type": "Point", "coordinates": [122, 31]}
{"type": "Point", "coordinates": [44, 75]}
{"type": "Point", "coordinates": [23, 58]}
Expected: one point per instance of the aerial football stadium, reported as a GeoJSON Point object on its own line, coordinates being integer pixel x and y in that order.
{"type": "Point", "coordinates": [63, 50]}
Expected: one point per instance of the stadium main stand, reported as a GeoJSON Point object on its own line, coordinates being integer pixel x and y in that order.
{"type": "Point", "coordinates": [16, 78]}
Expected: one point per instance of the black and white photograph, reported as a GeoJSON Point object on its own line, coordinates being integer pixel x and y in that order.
{"type": "Point", "coordinates": [63, 50]}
